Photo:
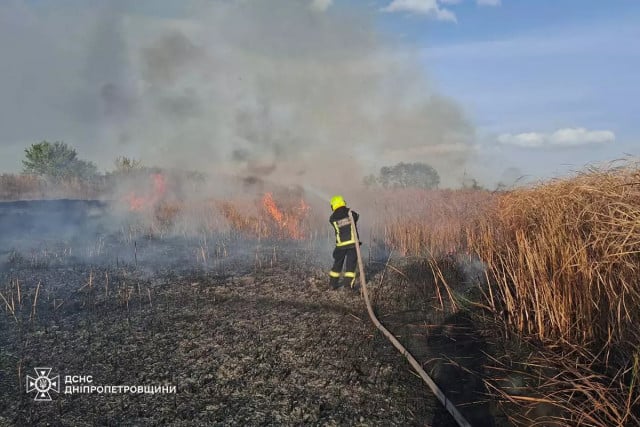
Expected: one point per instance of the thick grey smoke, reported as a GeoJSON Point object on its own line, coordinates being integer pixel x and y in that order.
{"type": "Point", "coordinates": [292, 91]}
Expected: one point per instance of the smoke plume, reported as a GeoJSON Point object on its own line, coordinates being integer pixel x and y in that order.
{"type": "Point", "coordinates": [288, 91]}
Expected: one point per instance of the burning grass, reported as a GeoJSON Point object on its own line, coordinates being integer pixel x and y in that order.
{"type": "Point", "coordinates": [287, 219]}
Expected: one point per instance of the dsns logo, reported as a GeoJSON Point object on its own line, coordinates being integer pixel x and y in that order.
{"type": "Point", "coordinates": [42, 384]}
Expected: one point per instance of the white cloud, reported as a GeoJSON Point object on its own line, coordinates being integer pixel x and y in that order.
{"type": "Point", "coordinates": [531, 139]}
{"type": "Point", "coordinates": [424, 7]}
{"type": "Point", "coordinates": [321, 5]}
{"type": "Point", "coordinates": [567, 137]}
{"type": "Point", "coordinates": [488, 2]}
{"type": "Point", "coordinates": [580, 136]}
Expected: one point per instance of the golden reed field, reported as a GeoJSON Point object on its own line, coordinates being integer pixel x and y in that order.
{"type": "Point", "coordinates": [564, 262]}
{"type": "Point", "coordinates": [563, 270]}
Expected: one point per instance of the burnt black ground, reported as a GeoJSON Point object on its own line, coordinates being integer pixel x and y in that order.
{"type": "Point", "coordinates": [270, 347]}
{"type": "Point", "coordinates": [251, 336]}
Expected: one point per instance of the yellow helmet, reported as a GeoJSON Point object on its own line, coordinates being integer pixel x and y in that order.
{"type": "Point", "coordinates": [337, 202]}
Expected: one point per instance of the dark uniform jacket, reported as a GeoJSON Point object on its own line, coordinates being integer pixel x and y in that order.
{"type": "Point", "coordinates": [340, 222]}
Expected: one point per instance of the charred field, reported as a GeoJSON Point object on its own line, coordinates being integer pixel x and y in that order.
{"type": "Point", "coordinates": [246, 330]}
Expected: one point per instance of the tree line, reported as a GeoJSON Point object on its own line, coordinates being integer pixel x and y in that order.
{"type": "Point", "coordinates": [58, 161]}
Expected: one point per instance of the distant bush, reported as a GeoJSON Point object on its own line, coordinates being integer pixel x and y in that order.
{"type": "Point", "coordinates": [125, 165]}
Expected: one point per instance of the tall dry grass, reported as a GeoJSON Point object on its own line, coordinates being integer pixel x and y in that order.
{"type": "Point", "coordinates": [15, 187]}
{"type": "Point", "coordinates": [421, 222]}
{"type": "Point", "coordinates": [564, 259]}
{"type": "Point", "coordinates": [285, 216]}
{"type": "Point", "coordinates": [32, 187]}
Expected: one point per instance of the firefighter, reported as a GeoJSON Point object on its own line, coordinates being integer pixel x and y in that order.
{"type": "Point", "coordinates": [344, 253]}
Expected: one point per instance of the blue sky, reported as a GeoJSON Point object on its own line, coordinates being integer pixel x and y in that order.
{"type": "Point", "coordinates": [532, 68]}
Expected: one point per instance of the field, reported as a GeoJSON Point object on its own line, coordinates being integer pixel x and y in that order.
{"type": "Point", "coordinates": [522, 305]}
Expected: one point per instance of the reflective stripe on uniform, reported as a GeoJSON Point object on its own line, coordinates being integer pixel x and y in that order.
{"type": "Point", "coordinates": [341, 223]}
{"type": "Point", "coordinates": [334, 274]}
{"type": "Point", "coordinates": [349, 274]}
{"type": "Point", "coordinates": [338, 242]}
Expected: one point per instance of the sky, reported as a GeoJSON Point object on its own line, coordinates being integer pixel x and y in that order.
{"type": "Point", "coordinates": [494, 89]}
{"type": "Point", "coordinates": [550, 85]}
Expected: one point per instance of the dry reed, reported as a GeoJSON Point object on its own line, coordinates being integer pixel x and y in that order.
{"type": "Point", "coordinates": [564, 259]}
{"type": "Point", "coordinates": [427, 222]}
{"type": "Point", "coordinates": [563, 262]}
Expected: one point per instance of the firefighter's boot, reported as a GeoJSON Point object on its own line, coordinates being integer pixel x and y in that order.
{"type": "Point", "coordinates": [334, 281]}
{"type": "Point", "coordinates": [350, 280]}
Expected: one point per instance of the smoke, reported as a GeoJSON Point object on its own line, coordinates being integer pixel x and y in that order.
{"type": "Point", "coordinates": [289, 91]}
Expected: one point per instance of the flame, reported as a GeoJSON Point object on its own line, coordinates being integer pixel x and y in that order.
{"type": "Point", "coordinates": [290, 224]}
{"type": "Point", "coordinates": [280, 220]}
{"type": "Point", "coordinates": [272, 209]}
{"type": "Point", "coordinates": [245, 224]}
{"type": "Point", "coordinates": [303, 208]}
{"type": "Point", "coordinates": [139, 203]}
{"type": "Point", "coordinates": [159, 184]}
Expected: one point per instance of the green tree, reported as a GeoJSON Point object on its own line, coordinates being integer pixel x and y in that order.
{"type": "Point", "coordinates": [56, 161]}
{"type": "Point", "coordinates": [407, 175]}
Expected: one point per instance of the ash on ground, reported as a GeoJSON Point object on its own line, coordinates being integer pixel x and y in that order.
{"type": "Point", "coordinates": [248, 334]}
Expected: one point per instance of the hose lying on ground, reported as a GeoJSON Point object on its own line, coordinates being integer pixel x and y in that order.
{"type": "Point", "coordinates": [448, 405]}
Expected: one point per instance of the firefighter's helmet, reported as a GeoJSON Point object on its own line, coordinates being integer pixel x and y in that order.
{"type": "Point", "coordinates": [337, 202]}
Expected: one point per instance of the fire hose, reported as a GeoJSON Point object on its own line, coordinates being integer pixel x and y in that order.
{"type": "Point", "coordinates": [448, 405]}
